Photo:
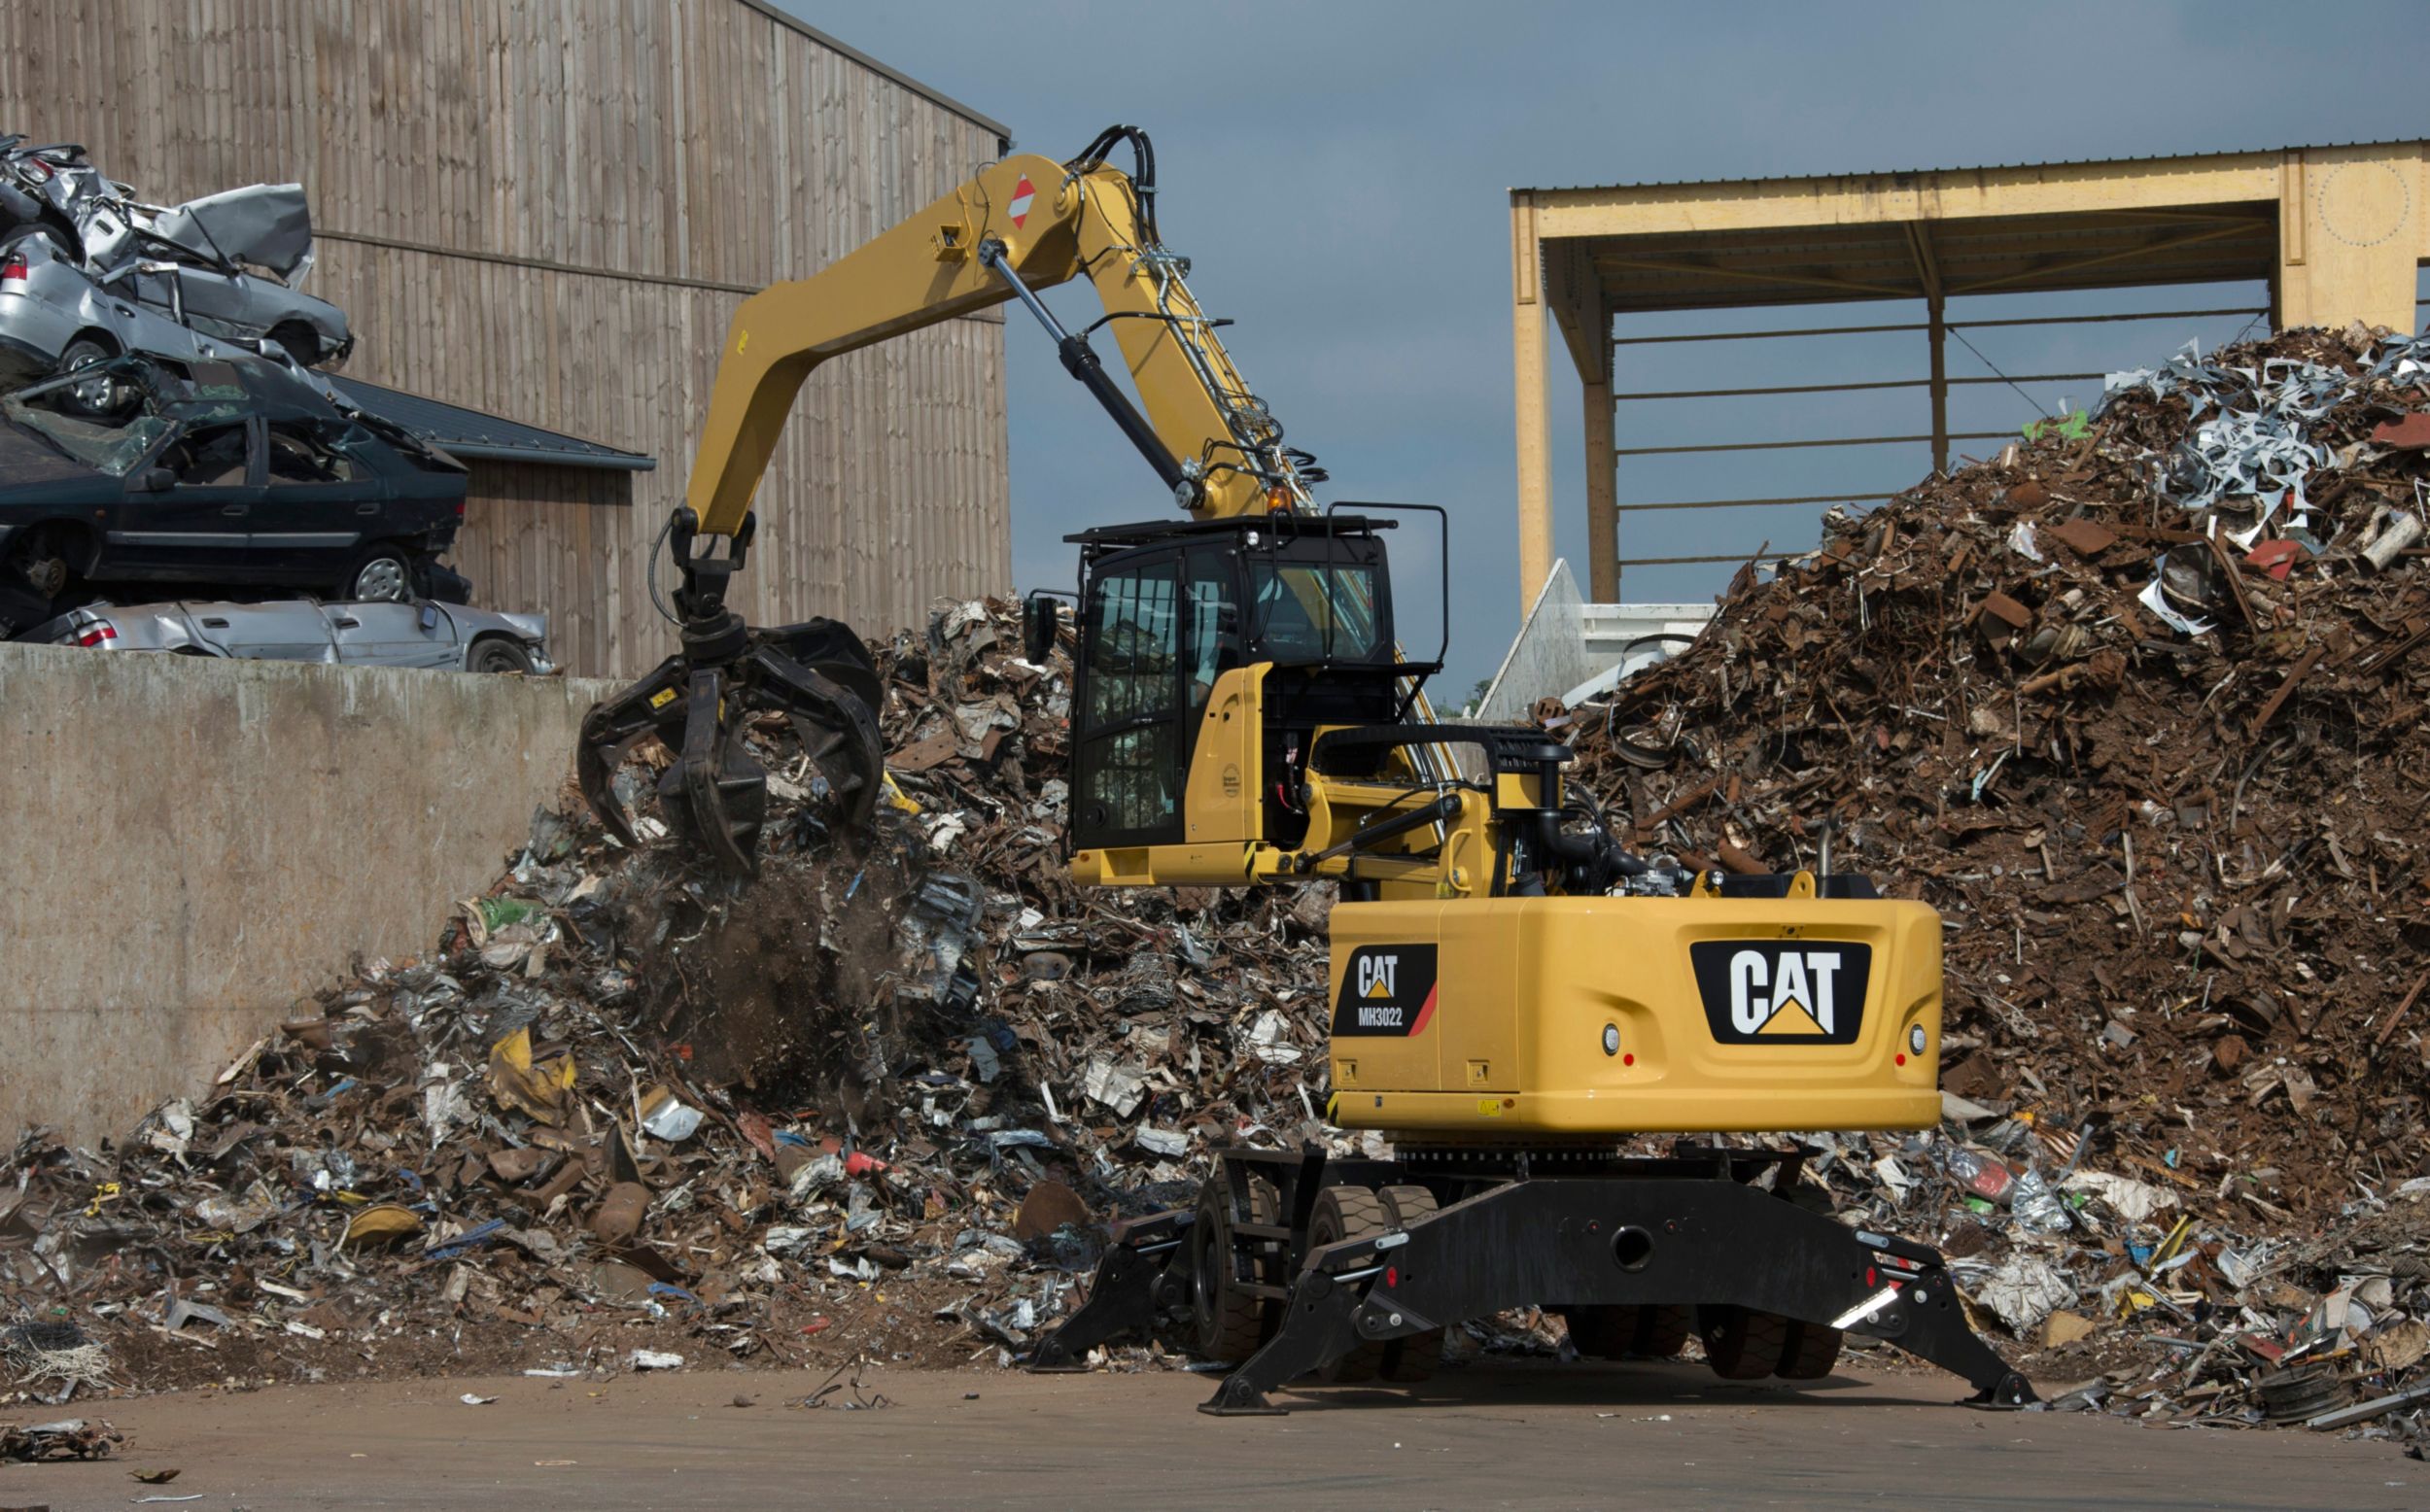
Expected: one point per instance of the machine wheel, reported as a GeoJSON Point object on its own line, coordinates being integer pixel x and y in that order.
{"type": "Point", "coordinates": [1603, 1330]}
{"type": "Point", "coordinates": [1813, 1197]}
{"type": "Point", "coordinates": [1349, 1213]}
{"type": "Point", "coordinates": [1661, 1332]}
{"type": "Point", "coordinates": [1742, 1344]}
{"type": "Point", "coordinates": [1413, 1358]}
{"type": "Point", "coordinates": [1811, 1352]}
{"type": "Point", "coordinates": [1228, 1322]}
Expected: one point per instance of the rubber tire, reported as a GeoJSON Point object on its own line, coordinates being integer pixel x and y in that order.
{"type": "Point", "coordinates": [1810, 1353]}
{"type": "Point", "coordinates": [1741, 1344]}
{"type": "Point", "coordinates": [1349, 1213]}
{"type": "Point", "coordinates": [497, 654]}
{"type": "Point", "coordinates": [1227, 1324]}
{"type": "Point", "coordinates": [1661, 1332]}
{"type": "Point", "coordinates": [302, 341]}
{"type": "Point", "coordinates": [1412, 1360]}
{"type": "Point", "coordinates": [1603, 1330]}
{"type": "Point", "coordinates": [349, 590]}
{"type": "Point", "coordinates": [80, 353]}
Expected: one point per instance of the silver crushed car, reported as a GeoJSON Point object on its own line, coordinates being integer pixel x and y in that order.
{"type": "Point", "coordinates": [87, 272]}
{"type": "Point", "coordinates": [421, 634]}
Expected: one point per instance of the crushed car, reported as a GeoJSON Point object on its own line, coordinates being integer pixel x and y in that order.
{"type": "Point", "coordinates": [235, 474]}
{"type": "Point", "coordinates": [422, 633]}
{"type": "Point", "coordinates": [89, 272]}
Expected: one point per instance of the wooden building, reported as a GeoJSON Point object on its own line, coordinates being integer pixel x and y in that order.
{"type": "Point", "coordinates": [548, 213]}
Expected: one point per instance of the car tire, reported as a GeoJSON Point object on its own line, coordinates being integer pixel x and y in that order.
{"type": "Point", "coordinates": [382, 574]}
{"type": "Point", "coordinates": [302, 341]}
{"type": "Point", "coordinates": [106, 396]}
{"type": "Point", "coordinates": [496, 655]}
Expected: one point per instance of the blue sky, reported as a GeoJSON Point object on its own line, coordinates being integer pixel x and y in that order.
{"type": "Point", "coordinates": [1338, 172]}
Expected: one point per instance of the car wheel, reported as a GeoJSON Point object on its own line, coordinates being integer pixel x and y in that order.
{"type": "Point", "coordinates": [382, 574]}
{"type": "Point", "coordinates": [301, 342]}
{"type": "Point", "coordinates": [498, 656]}
{"type": "Point", "coordinates": [99, 394]}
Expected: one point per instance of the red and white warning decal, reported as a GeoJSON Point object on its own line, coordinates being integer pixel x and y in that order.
{"type": "Point", "coordinates": [1022, 193]}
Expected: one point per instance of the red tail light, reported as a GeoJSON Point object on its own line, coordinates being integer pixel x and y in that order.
{"type": "Point", "coordinates": [14, 268]}
{"type": "Point", "coordinates": [97, 634]}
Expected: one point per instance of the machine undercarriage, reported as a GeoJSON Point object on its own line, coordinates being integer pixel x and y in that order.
{"type": "Point", "coordinates": [1348, 1270]}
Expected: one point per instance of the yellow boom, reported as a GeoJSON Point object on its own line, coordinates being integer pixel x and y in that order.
{"type": "Point", "coordinates": [1023, 224]}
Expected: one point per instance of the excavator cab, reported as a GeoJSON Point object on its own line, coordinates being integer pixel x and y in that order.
{"type": "Point", "coordinates": [1279, 626]}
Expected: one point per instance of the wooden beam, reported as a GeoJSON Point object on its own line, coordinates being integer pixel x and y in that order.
{"type": "Point", "coordinates": [1535, 438]}
{"type": "Point", "coordinates": [1936, 337]}
{"type": "Point", "coordinates": [1860, 199]}
{"type": "Point", "coordinates": [1575, 296]}
{"type": "Point", "coordinates": [2079, 264]}
{"type": "Point", "coordinates": [1805, 280]}
{"type": "Point", "coordinates": [1603, 518]}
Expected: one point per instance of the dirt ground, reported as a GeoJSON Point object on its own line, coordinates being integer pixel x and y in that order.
{"type": "Point", "coordinates": [1488, 1436]}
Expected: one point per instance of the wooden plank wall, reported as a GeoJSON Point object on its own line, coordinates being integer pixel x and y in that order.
{"type": "Point", "coordinates": [451, 148]}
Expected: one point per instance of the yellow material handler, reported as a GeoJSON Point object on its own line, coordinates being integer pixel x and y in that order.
{"type": "Point", "coordinates": [1514, 994]}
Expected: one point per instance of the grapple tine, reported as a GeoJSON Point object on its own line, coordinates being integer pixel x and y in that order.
{"type": "Point", "coordinates": [610, 730]}
{"type": "Point", "coordinates": [715, 794]}
{"type": "Point", "coordinates": [853, 757]}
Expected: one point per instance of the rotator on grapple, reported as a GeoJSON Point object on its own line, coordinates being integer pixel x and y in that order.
{"type": "Point", "coordinates": [1514, 996]}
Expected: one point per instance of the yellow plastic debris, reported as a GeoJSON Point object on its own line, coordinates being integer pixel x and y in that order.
{"type": "Point", "coordinates": [382, 1220]}
{"type": "Point", "coordinates": [897, 797]}
{"type": "Point", "coordinates": [538, 1091]}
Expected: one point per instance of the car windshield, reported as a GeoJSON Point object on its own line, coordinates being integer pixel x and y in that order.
{"type": "Point", "coordinates": [112, 446]}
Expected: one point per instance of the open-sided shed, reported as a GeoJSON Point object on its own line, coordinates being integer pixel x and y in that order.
{"type": "Point", "coordinates": [2337, 234]}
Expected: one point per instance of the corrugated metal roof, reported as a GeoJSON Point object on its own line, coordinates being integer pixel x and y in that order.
{"type": "Point", "coordinates": [476, 435]}
{"type": "Point", "coordinates": [1906, 173]}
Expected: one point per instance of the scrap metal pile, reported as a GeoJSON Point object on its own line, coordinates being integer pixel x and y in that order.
{"type": "Point", "coordinates": [2138, 706]}
{"type": "Point", "coordinates": [2149, 738]}
{"type": "Point", "coordinates": [627, 1114]}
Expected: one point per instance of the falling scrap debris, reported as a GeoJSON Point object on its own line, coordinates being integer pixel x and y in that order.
{"type": "Point", "coordinates": [2135, 706]}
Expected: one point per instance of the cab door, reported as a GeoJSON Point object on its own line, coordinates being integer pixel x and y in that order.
{"type": "Point", "coordinates": [1129, 746]}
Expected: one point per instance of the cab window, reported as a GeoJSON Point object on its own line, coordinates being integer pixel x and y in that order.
{"type": "Point", "coordinates": [1212, 644]}
{"type": "Point", "coordinates": [1314, 613]}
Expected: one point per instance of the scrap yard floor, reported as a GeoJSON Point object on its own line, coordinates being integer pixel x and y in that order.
{"type": "Point", "coordinates": [1485, 1437]}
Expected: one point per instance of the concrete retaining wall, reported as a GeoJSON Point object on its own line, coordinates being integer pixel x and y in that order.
{"type": "Point", "coordinates": [192, 845]}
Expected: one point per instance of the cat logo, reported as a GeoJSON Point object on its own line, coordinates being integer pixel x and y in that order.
{"type": "Point", "coordinates": [1385, 991]}
{"type": "Point", "coordinates": [1375, 973]}
{"type": "Point", "coordinates": [1782, 992]}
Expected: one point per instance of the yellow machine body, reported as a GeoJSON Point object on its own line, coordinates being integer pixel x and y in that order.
{"type": "Point", "coordinates": [1542, 1019]}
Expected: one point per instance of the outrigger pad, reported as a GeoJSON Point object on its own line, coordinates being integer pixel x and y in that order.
{"type": "Point", "coordinates": [1121, 1299]}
